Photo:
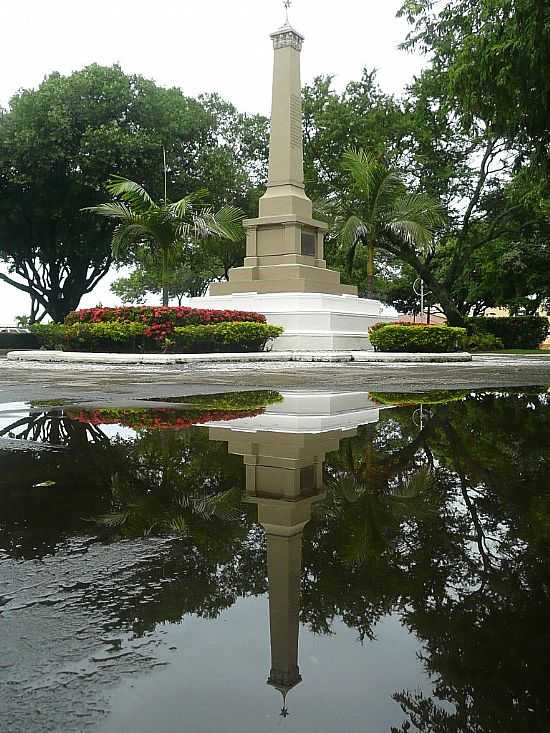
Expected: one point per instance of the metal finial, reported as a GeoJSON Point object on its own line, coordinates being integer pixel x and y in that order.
{"type": "Point", "coordinates": [287, 4]}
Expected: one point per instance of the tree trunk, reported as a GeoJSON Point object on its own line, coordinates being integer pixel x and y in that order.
{"type": "Point", "coordinates": [165, 298]}
{"type": "Point", "coordinates": [370, 270]}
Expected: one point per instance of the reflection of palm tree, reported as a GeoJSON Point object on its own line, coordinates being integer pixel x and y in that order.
{"type": "Point", "coordinates": [173, 483]}
{"type": "Point", "coordinates": [376, 484]}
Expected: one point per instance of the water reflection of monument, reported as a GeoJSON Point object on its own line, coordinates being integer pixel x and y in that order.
{"type": "Point", "coordinates": [284, 450]}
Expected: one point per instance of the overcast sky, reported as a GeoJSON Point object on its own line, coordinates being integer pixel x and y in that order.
{"type": "Point", "coordinates": [204, 46]}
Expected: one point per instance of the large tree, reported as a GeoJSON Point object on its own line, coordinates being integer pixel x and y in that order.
{"type": "Point", "coordinates": [496, 56]}
{"type": "Point", "coordinates": [59, 143]}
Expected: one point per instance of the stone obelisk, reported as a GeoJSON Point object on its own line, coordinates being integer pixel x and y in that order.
{"type": "Point", "coordinates": [285, 244]}
{"type": "Point", "coordinates": [285, 276]}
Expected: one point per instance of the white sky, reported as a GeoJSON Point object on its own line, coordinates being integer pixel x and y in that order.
{"type": "Point", "coordinates": [203, 46]}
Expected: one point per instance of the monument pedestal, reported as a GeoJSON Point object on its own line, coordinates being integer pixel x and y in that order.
{"type": "Point", "coordinates": [312, 321]}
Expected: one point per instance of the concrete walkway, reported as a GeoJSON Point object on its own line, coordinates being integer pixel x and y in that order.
{"type": "Point", "coordinates": [71, 357]}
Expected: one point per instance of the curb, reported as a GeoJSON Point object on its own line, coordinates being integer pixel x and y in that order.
{"type": "Point", "coordinates": [63, 357]}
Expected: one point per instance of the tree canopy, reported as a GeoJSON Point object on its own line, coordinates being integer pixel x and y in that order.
{"type": "Point", "coordinates": [61, 142]}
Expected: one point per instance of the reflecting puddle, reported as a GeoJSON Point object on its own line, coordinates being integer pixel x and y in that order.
{"type": "Point", "coordinates": [382, 560]}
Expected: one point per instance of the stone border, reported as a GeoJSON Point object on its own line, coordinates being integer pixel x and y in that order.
{"type": "Point", "coordinates": [66, 357]}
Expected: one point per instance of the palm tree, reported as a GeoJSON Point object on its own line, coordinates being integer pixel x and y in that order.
{"type": "Point", "coordinates": [388, 210]}
{"type": "Point", "coordinates": [163, 227]}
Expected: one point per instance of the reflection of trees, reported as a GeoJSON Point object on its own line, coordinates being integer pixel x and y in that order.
{"type": "Point", "coordinates": [449, 524]}
{"type": "Point", "coordinates": [465, 556]}
{"type": "Point", "coordinates": [159, 482]}
{"type": "Point", "coordinates": [53, 428]}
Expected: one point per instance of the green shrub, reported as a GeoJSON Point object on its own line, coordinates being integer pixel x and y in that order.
{"type": "Point", "coordinates": [120, 337]}
{"type": "Point", "coordinates": [252, 400]}
{"type": "Point", "coordinates": [105, 337]}
{"type": "Point", "coordinates": [481, 341]}
{"type": "Point", "coordinates": [14, 340]}
{"type": "Point", "coordinates": [418, 339]}
{"type": "Point", "coordinates": [49, 335]}
{"type": "Point", "coordinates": [224, 337]}
{"type": "Point", "coordinates": [515, 332]}
{"type": "Point", "coordinates": [412, 399]}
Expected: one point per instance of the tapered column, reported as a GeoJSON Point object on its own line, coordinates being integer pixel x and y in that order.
{"type": "Point", "coordinates": [284, 565]}
{"type": "Point", "coordinates": [285, 188]}
{"type": "Point", "coordinates": [284, 245]}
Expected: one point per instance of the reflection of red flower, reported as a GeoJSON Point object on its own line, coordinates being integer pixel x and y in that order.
{"type": "Point", "coordinates": [158, 419]}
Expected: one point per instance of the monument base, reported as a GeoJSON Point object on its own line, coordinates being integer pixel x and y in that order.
{"type": "Point", "coordinates": [312, 321]}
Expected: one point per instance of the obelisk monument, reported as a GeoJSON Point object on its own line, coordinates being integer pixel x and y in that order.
{"type": "Point", "coordinates": [285, 275]}
{"type": "Point", "coordinates": [284, 247]}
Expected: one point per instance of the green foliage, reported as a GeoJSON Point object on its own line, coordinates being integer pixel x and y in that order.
{"type": "Point", "coordinates": [412, 399]}
{"type": "Point", "coordinates": [132, 337]}
{"type": "Point", "coordinates": [496, 56]}
{"type": "Point", "coordinates": [148, 232]}
{"type": "Point", "coordinates": [515, 332]}
{"type": "Point", "coordinates": [49, 335]}
{"type": "Point", "coordinates": [250, 400]}
{"type": "Point", "coordinates": [481, 341]}
{"type": "Point", "coordinates": [379, 209]}
{"type": "Point", "coordinates": [17, 340]}
{"type": "Point", "coordinates": [60, 143]}
{"type": "Point", "coordinates": [421, 339]}
{"type": "Point", "coordinates": [224, 337]}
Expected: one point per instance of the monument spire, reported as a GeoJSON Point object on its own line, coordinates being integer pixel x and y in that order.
{"type": "Point", "coordinates": [285, 187]}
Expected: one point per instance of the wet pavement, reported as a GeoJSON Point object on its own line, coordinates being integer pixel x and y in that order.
{"type": "Point", "coordinates": [19, 381]}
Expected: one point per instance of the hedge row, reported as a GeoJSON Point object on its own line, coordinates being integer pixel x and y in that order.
{"type": "Point", "coordinates": [17, 340]}
{"type": "Point", "coordinates": [120, 337]}
{"type": "Point", "coordinates": [515, 332]}
{"type": "Point", "coordinates": [417, 338]}
{"type": "Point", "coordinates": [159, 316]}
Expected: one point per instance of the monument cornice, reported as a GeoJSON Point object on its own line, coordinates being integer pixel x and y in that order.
{"type": "Point", "coordinates": [285, 219]}
{"type": "Point", "coordinates": [287, 36]}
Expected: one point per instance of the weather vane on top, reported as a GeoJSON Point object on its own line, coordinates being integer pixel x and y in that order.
{"type": "Point", "coordinates": [287, 4]}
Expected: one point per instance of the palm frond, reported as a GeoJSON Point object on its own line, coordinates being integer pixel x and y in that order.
{"type": "Point", "coordinates": [388, 186]}
{"type": "Point", "coordinates": [131, 192]}
{"type": "Point", "coordinates": [181, 209]}
{"type": "Point", "coordinates": [178, 525]}
{"type": "Point", "coordinates": [226, 506]}
{"type": "Point", "coordinates": [112, 210]}
{"type": "Point", "coordinates": [111, 521]}
{"type": "Point", "coordinates": [353, 229]}
{"type": "Point", "coordinates": [363, 167]}
{"type": "Point", "coordinates": [414, 218]}
{"type": "Point", "coordinates": [418, 482]}
{"type": "Point", "coordinates": [227, 223]}
{"type": "Point", "coordinates": [352, 234]}
{"type": "Point", "coordinates": [127, 234]}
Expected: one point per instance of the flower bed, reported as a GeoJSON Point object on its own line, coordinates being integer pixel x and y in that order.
{"type": "Point", "coordinates": [134, 337]}
{"type": "Point", "coordinates": [157, 419]}
{"type": "Point", "coordinates": [399, 338]}
{"type": "Point", "coordinates": [159, 316]}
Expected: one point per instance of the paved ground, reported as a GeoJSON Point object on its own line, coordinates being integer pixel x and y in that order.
{"type": "Point", "coordinates": [31, 381]}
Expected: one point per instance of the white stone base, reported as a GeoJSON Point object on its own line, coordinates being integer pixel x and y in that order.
{"type": "Point", "coordinates": [312, 321]}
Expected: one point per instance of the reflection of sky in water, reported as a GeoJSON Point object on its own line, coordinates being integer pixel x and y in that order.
{"type": "Point", "coordinates": [219, 669]}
